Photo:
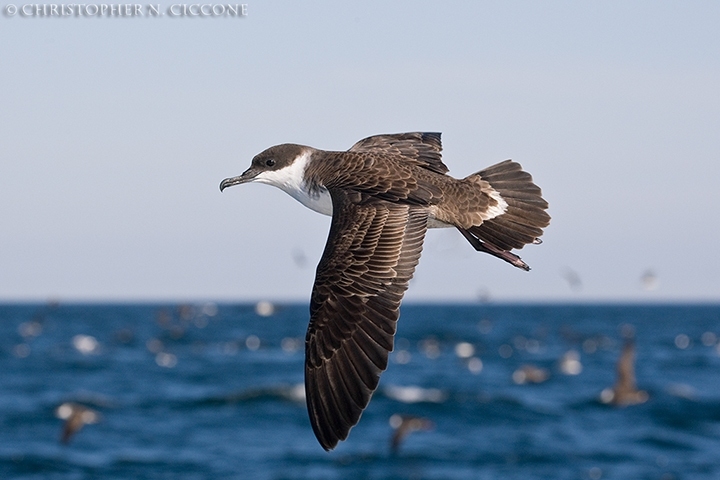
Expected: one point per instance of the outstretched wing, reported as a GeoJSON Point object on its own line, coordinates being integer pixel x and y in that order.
{"type": "Point", "coordinates": [370, 256]}
{"type": "Point", "coordinates": [626, 368]}
{"type": "Point", "coordinates": [421, 148]}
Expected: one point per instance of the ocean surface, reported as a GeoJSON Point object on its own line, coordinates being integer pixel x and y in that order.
{"type": "Point", "coordinates": [207, 391]}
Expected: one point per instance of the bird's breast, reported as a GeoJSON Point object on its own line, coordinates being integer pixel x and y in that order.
{"type": "Point", "coordinates": [317, 199]}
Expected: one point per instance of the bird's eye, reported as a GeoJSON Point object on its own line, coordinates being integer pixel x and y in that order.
{"type": "Point", "coordinates": [270, 162]}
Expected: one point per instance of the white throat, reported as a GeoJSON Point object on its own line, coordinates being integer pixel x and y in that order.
{"type": "Point", "coordinates": [291, 180]}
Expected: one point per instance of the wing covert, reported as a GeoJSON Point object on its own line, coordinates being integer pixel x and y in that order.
{"type": "Point", "coordinates": [423, 148]}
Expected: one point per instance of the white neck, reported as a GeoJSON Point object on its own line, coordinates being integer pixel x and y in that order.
{"type": "Point", "coordinates": [291, 180]}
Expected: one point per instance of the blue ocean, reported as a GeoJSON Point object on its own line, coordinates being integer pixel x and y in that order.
{"type": "Point", "coordinates": [205, 391]}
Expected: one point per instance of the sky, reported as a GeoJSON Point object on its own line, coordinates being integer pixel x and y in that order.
{"type": "Point", "coordinates": [116, 132]}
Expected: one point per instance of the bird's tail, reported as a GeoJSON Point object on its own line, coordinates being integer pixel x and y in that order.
{"type": "Point", "coordinates": [521, 223]}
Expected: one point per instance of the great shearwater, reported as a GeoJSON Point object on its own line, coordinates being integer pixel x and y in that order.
{"type": "Point", "coordinates": [625, 391]}
{"type": "Point", "coordinates": [75, 416]}
{"type": "Point", "coordinates": [404, 425]}
{"type": "Point", "coordinates": [383, 194]}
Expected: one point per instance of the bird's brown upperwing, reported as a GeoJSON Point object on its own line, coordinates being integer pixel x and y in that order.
{"type": "Point", "coordinates": [370, 256]}
{"type": "Point", "coordinates": [420, 148]}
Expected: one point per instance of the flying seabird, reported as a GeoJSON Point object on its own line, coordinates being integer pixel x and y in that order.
{"type": "Point", "coordinates": [383, 194]}
{"type": "Point", "coordinates": [625, 391]}
{"type": "Point", "coordinates": [404, 425]}
{"type": "Point", "coordinates": [75, 416]}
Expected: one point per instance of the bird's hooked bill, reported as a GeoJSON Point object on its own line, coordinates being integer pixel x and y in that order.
{"type": "Point", "coordinates": [247, 176]}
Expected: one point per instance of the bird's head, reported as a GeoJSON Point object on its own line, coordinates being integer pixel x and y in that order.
{"type": "Point", "coordinates": [276, 166]}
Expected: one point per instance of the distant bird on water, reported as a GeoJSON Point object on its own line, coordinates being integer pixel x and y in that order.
{"type": "Point", "coordinates": [383, 195]}
{"type": "Point", "coordinates": [76, 416]}
{"type": "Point", "coordinates": [625, 391]}
{"type": "Point", "coordinates": [530, 374]}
